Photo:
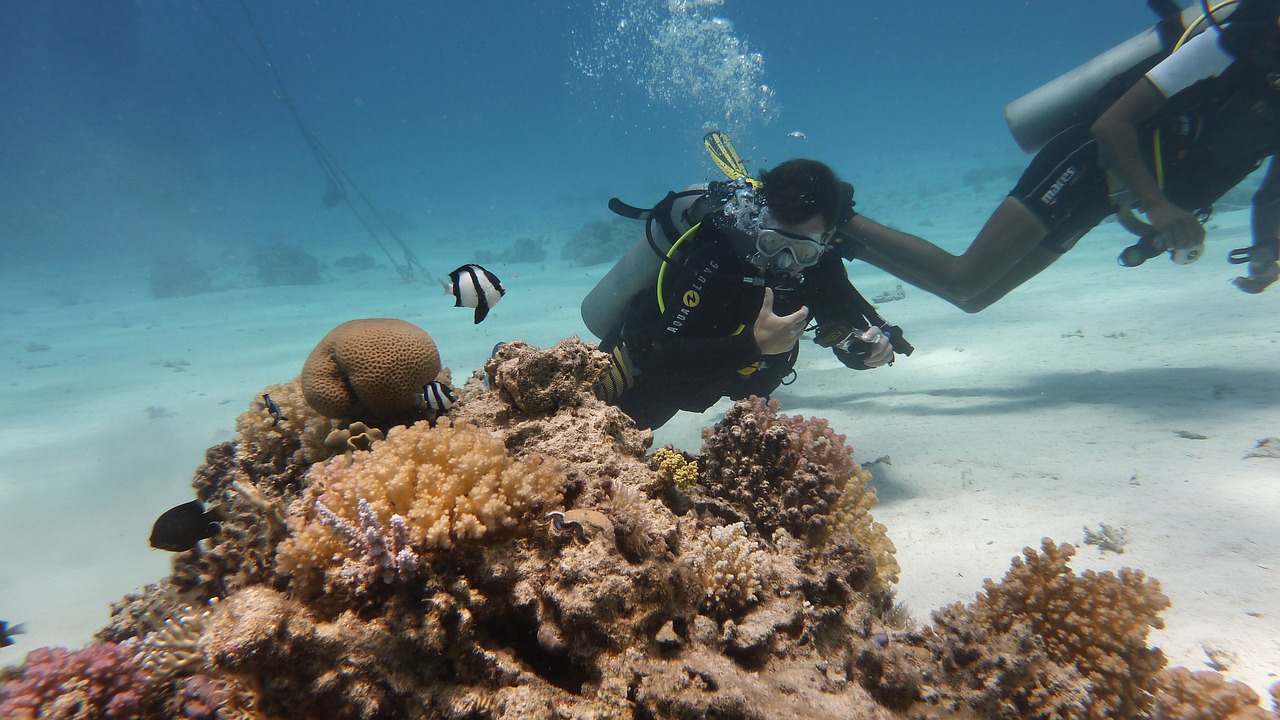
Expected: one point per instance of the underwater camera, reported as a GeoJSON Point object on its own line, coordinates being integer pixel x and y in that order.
{"type": "Point", "coordinates": [1151, 245]}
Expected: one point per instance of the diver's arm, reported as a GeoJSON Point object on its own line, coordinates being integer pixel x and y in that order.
{"type": "Point", "coordinates": [1116, 131]}
{"type": "Point", "coordinates": [896, 252]}
{"type": "Point", "coordinates": [1117, 134]}
{"type": "Point", "coordinates": [842, 323]}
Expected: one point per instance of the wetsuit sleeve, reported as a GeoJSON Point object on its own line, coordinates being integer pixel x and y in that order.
{"type": "Point", "coordinates": [1200, 58]}
{"type": "Point", "coordinates": [708, 320]}
{"type": "Point", "coordinates": [834, 299]}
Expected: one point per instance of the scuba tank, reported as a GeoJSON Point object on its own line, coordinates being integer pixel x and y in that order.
{"type": "Point", "coordinates": [1083, 93]}
{"type": "Point", "coordinates": [637, 270]}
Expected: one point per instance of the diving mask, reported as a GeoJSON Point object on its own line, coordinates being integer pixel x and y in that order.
{"type": "Point", "coordinates": [805, 250]}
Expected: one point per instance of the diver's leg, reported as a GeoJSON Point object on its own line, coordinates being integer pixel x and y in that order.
{"type": "Point", "coordinates": [1031, 264]}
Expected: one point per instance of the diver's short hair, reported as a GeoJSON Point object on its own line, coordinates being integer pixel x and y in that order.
{"type": "Point", "coordinates": [798, 189]}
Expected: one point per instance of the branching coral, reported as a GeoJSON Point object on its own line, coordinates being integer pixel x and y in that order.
{"type": "Point", "coordinates": [269, 444]}
{"type": "Point", "coordinates": [100, 681]}
{"type": "Point", "coordinates": [1186, 695]}
{"type": "Point", "coordinates": [1089, 632]}
{"type": "Point", "coordinates": [378, 553]}
{"type": "Point", "coordinates": [450, 483]}
{"type": "Point", "coordinates": [732, 568]}
{"type": "Point", "coordinates": [852, 515]}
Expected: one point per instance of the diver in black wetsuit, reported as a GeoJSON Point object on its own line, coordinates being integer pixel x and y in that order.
{"type": "Point", "coordinates": [1188, 131]}
{"type": "Point", "coordinates": [742, 287]}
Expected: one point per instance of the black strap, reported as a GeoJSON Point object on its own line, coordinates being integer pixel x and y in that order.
{"type": "Point", "coordinates": [1170, 27]}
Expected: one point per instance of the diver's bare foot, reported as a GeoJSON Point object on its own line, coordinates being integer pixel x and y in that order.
{"type": "Point", "coordinates": [1260, 277]}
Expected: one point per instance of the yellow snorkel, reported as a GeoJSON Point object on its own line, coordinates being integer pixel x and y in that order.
{"type": "Point", "coordinates": [726, 157]}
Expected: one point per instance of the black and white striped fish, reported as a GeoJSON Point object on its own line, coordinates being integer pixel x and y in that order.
{"type": "Point", "coordinates": [437, 397]}
{"type": "Point", "coordinates": [474, 287]}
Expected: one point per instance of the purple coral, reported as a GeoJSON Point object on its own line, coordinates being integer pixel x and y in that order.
{"type": "Point", "coordinates": [379, 554]}
{"type": "Point", "coordinates": [102, 680]}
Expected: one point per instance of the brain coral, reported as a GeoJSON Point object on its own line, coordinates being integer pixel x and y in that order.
{"type": "Point", "coordinates": [370, 369]}
{"type": "Point", "coordinates": [450, 483]}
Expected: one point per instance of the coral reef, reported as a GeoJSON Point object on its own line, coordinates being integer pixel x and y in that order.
{"type": "Point", "coordinates": [280, 263]}
{"type": "Point", "coordinates": [521, 250]}
{"type": "Point", "coordinates": [1183, 694]}
{"type": "Point", "coordinates": [1078, 642]}
{"type": "Point", "coordinates": [370, 370]}
{"type": "Point", "coordinates": [524, 557]}
{"type": "Point", "coordinates": [296, 439]}
{"type": "Point", "coordinates": [100, 681]}
{"type": "Point", "coordinates": [542, 381]}
{"type": "Point", "coordinates": [176, 274]}
{"type": "Point", "coordinates": [600, 241]}
{"type": "Point", "coordinates": [795, 474]}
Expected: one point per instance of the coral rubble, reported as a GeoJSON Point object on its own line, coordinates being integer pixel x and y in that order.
{"type": "Point", "coordinates": [524, 556]}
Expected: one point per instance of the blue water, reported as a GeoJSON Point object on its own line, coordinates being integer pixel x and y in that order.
{"type": "Point", "coordinates": [134, 127]}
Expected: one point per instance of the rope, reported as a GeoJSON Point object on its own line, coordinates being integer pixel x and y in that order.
{"type": "Point", "coordinates": [340, 187]}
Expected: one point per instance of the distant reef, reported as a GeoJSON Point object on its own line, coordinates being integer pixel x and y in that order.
{"type": "Point", "coordinates": [524, 554]}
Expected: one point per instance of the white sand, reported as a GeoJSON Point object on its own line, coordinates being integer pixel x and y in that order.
{"type": "Point", "coordinates": [1057, 408]}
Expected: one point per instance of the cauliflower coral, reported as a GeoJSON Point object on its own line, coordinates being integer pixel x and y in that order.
{"type": "Point", "coordinates": [450, 483]}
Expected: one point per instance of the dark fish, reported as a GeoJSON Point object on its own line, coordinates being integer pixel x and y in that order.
{"type": "Point", "coordinates": [272, 408]}
{"type": "Point", "coordinates": [7, 632]}
{"type": "Point", "coordinates": [474, 287]}
{"type": "Point", "coordinates": [182, 526]}
{"type": "Point", "coordinates": [437, 397]}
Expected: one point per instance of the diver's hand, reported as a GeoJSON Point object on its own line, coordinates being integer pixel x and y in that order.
{"type": "Point", "coordinates": [1179, 228]}
{"type": "Point", "coordinates": [880, 352]}
{"type": "Point", "coordinates": [777, 334]}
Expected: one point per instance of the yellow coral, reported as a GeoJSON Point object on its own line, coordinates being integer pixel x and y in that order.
{"type": "Point", "coordinates": [451, 483]}
{"type": "Point", "coordinates": [852, 513]}
{"type": "Point", "coordinates": [674, 467]}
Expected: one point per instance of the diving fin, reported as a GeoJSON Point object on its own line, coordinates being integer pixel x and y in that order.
{"type": "Point", "coordinates": [726, 157]}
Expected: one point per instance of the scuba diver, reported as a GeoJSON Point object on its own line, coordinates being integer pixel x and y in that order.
{"type": "Point", "coordinates": [1202, 115]}
{"type": "Point", "coordinates": [720, 311]}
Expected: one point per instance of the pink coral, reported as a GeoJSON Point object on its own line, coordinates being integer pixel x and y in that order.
{"type": "Point", "coordinates": [101, 680]}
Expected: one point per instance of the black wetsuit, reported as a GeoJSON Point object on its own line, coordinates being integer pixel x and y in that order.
{"type": "Point", "coordinates": [702, 347]}
{"type": "Point", "coordinates": [1213, 135]}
